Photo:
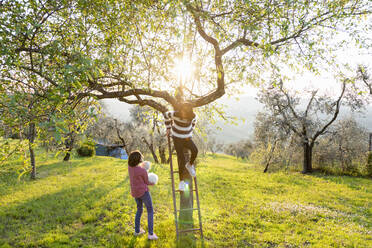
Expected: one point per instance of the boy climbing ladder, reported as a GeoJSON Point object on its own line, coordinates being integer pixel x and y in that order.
{"type": "Point", "coordinates": [180, 125]}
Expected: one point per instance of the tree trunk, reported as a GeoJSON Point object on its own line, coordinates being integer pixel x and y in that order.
{"type": "Point", "coordinates": [151, 148]}
{"type": "Point", "coordinates": [270, 156]}
{"type": "Point", "coordinates": [308, 152]}
{"type": "Point", "coordinates": [340, 149]}
{"type": "Point", "coordinates": [121, 138]}
{"type": "Point", "coordinates": [163, 158]}
{"type": "Point", "coordinates": [186, 198]}
{"type": "Point", "coordinates": [31, 139]}
{"type": "Point", "coordinates": [69, 146]}
{"type": "Point", "coordinates": [124, 144]}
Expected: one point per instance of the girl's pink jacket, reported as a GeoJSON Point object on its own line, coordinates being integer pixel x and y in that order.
{"type": "Point", "coordinates": [138, 181]}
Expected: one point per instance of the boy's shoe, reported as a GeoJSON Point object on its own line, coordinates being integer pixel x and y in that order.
{"type": "Point", "coordinates": [191, 169]}
{"type": "Point", "coordinates": [153, 237]}
{"type": "Point", "coordinates": [182, 186]}
{"type": "Point", "coordinates": [140, 232]}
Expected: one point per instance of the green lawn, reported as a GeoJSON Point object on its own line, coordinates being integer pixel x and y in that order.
{"type": "Point", "coordinates": [86, 203]}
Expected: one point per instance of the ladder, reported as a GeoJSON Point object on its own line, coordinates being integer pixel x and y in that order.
{"type": "Point", "coordinates": [172, 172]}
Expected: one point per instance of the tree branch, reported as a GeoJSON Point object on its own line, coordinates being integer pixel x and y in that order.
{"type": "Point", "coordinates": [147, 102]}
{"type": "Point", "coordinates": [310, 102]}
{"type": "Point", "coordinates": [220, 91]}
{"type": "Point", "coordinates": [337, 110]}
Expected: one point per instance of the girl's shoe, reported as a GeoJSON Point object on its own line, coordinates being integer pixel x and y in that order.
{"type": "Point", "coordinates": [153, 237]}
{"type": "Point", "coordinates": [191, 169]}
{"type": "Point", "coordinates": [139, 233]}
{"type": "Point", "coordinates": [182, 186]}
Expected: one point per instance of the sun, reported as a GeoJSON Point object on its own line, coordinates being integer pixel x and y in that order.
{"type": "Point", "coordinates": [184, 70]}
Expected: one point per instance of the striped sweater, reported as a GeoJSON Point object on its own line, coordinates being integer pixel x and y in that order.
{"type": "Point", "coordinates": [180, 128]}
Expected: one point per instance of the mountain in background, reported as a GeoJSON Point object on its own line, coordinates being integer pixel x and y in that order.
{"type": "Point", "coordinates": [245, 109]}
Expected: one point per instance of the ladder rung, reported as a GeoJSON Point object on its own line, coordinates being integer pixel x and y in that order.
{"type": "Point", "coordinates": [189, 230]}
{"type": "Point", "coordinates": [177, 190]}
{"type": "Point", "coordinates": [187, 209]}
{"type": "Point", "coordinates": [175, 171]}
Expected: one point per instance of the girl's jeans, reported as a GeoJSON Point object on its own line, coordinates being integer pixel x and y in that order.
{"type": "Point", "coordinates": [146, 198]}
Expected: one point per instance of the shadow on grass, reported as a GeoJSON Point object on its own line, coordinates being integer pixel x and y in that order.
{"type": "Point", "coordinates": [56, 218]}
{"type": "Point", "coordinates": [12, 182]}
{"type": "Point", "coordinates": [189, 240]}
{"type": "Point", "coordinates": [353, 182]}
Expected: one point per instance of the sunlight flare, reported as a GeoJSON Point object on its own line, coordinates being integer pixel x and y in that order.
{"type": "Point", "coordinates": [184, 70]}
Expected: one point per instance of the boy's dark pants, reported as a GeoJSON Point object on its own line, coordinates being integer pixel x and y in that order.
{"type": "Point", "coordinates": [179, 145]}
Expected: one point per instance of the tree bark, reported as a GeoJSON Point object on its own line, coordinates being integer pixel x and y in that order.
{"type": "Point", "coordinates": [121, 138]}
{"type": "Point", "coordinates": [69, 146]}
{"type": "Point", "coordinates": [308, 152]}
{"type": "Point", "coordinates": [341, 150]}
{"type": "Point", "coordinates": [163, 158]}
{"type": "Point", "coordinates": [151, 148]}
{"type": "Point", "coordinates": [31, 139]}
{"type": "Point", "coordinates": [270, 157]}
{"type": "Point", "coordinates": [186, 198]}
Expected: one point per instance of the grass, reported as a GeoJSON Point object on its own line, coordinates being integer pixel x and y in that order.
{"type": "Point", "coordinates": [87, 203]}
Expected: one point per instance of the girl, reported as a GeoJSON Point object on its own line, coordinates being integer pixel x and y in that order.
{"type": "Point", "coordinates": [180, 125]}
{"type": "Point", "coordinates": [139, 190]}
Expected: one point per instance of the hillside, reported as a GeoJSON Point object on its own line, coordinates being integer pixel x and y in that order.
{"type": "Point", "coordinates": [87, 203]}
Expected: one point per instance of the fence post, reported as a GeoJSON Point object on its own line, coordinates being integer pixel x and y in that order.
{"type": "Point", "coordinates": [370, 142]}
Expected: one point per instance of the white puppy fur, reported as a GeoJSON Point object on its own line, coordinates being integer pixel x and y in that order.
{"type": "Point", "coordinates": [146, 165]}
{"type": "Point", "coordinates": [153, 178]}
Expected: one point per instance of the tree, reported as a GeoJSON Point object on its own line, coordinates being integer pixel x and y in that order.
{"type": "Point", "coordinates": [306, 123]}
{"type": "Point", "coordinates": [213, 145]}
{"type": "Point", "coordinates": [26, 109]}
{"type": "Point", "coordinates": [156, 137]}
{"type": "Point", "coordinates": [109, 130]}
{"type": "Point", "coordinates": [272, 143]}
{"type": "Point", "coordinates": [345, 143]}
{"type": "Point", "coordinates": [77, 122]}
{"type": "Point", "coordinates": [241, 149]}
{"type": "Point", "coordinates": [365, 77]}
{"type": "Point", "coordinates": [123, 62]}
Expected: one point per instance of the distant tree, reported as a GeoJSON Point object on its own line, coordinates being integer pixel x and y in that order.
{"type": "Point", "coordinates": [241, 149]}
{"type": "Point", "coordinates": [306, 123]}
{"type": "Point", "coordinates": [272, 142]}
{"type": "Point", "coordinates": [155, 139]}
{"type": "Point", "coordinates": [120, 128]}
{"type": "Point", "coordinates": [365, 77]}
{"type": "Point", "coordinates": [213, 145]}
{"type": "Point", "coordinates": [369, 164]}
{"type": "Point", "coordinates": [80, 118]}
{"type": "Point", "coordinates": [344, 145]}
{"type": "Point", "coordinates": [109, 130]}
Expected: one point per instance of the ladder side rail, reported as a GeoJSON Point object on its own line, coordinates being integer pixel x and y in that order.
{"type": "Point", "coordinates": [173, 187]}
{"type": "Point", "coordinates": [198, 204]}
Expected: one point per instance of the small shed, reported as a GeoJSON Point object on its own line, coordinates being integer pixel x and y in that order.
{"type": "Point", "coordinates": [116, 151]}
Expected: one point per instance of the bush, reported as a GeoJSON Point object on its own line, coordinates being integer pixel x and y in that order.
{"type": "Point", "coordinates": [369, 164]}
{"type": "Point", "coordinates": [86, 149]}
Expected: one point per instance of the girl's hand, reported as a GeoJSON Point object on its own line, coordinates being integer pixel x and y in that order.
{"type": "Point", "coordinates": [168, 132]}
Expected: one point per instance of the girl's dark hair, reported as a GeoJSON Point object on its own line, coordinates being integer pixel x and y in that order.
{"type": "Point", "coordinates": [135, 158]}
